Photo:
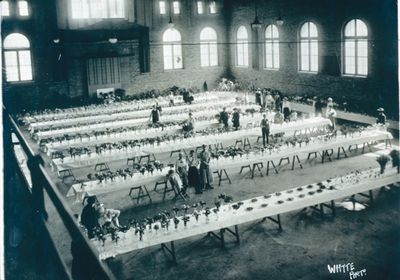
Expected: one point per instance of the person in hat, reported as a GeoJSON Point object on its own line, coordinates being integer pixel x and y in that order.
{"type": "Point", "coordinates": [181, 168]}
{"type": "Point", "coordinates": [318, 107]}
{"type": "Point", "coordinates": [193, 173]}
{"type": "Point", "coordinates": [224, 118]}
{"type": "Point", "coordinates": [258, 96]}
{"type": "Point", "coordinates": [155, 114]}
{"type": "Point", "coordinates": [236, 119]}
{"type": "Point", "coordinates": [329, 103]}
{"type": "Point", "coordinates": [269, 101]}
{"type": "Point", "coordinates": [108, 217]}
{"type": "Point", "coordinates": [188, 126]}
{"type": "Point", "coordinates": [206, 178]}
{"type": "Point", "coordinates": [331, 115]}
{"type": "Point", "coordinates": [89, 218]}
{"type": "Point", "coordinates": [286, 108]}
{"type": "Point", "coordinates": [265, 127]}
{"type": "Point", "coordinates": [381, 118]}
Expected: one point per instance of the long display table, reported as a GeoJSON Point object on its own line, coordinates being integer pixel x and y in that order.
{"type": "Point", "coordinates": [251, 210]}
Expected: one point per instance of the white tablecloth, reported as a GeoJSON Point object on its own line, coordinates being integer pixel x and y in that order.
{"type": "Point", "coordinates": [287, 201]}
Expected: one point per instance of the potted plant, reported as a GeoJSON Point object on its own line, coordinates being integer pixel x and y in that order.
{"type": "Point", "coordinates": [382, 160]}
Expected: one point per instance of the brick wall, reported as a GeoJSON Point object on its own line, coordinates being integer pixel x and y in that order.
{"type": "Point", "coordinates": [330, 17]}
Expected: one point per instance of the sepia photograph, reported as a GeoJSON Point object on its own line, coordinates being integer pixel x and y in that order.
{"type": "Point", "coordinates": [200, 140]}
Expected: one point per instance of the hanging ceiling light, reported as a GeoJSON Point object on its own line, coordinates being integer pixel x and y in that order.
{"type": "Point", "coordinates": [113, 40]}
{"type": "Point", "coordinates": [170, 23]}
{"type": "Point", "coordinates": [56, 40]}
{"type": "Point", "coordinates": [256, 23]}
{"type": "Point", "coordinates": [279, 21]}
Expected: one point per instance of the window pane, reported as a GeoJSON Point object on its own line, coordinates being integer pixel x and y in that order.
{"type": "Point", "coordinates": [204, 54]}
{"type": "Point", "coordinates": [246, 54]}
{"type": "Point", "coordinates": [349, 58]}
{"type": "Point", "coordinates": [208, 34]}
{"type": "Point", "coordinates": [200, 8]}
{"type": "Point", "coordinates": [276, 54]}
{"type": "Point", "coordinates": [275, 33]}
{"type": "Point", "coordinates": [168, 57]}
{"type": "Point", "coordinates": [11, 63]}
{"type": "Point", "coordinates": [116, 8]}
{"type": "Point", "coordinates": [98, 8]}
{"type": "Point", "coordinates": [313, 30]}
{"type": "Point", "coordinates": [362, 66]}
{"type": "Point", "coordinates": [178, 63]}
{"type": "Point", "coordinates": [362, 49]}
{"type": "Point", "coordinates": [213, 54]}
{"type": "Point", "coordinates": [304, 56]}
{"type": "Point", "coordinates": [171, 35]}
{"type": "Point", "coordinates": [80, 9]}
{"type": "Point", "coordinates": [242, 33]}
{"type": "Point", "coordinates": [213, 7]}
{"type": "Point", "coordinates": [350, 29]}
{"type": "Point", "coordinates": [304, 31]}
{"type": "Point", "coordinates": [23, 8]}
{"type": "Point", "coordinates": [177, 8]}
{"type": "Point", "coordinates": [162, 8]}
{"type": "Point", "coordinates": [4, 8]}
{"type": "Point", "coordinates": [25, 65]}
{"type": "Point", "coordinates": [361, 28]}
{"type": "Point", "coordinates": [16, 41]}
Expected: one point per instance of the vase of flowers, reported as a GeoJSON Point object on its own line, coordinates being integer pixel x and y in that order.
{"type": "Point", "coordinates": [382, 160]}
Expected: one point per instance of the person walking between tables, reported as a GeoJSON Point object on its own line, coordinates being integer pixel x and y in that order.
{"type": "Point", "coordinates": [181, 168]}
{"type": "Point", "coordinates": [205, 171]}
{"type": "Point", "coordinates": [193, 173]}
{"type": "Point", "coordinates": [89, 216]}
{"type": "Point", "coordinates": [175, 180]}
{"type": "Point", "coordinates": [236, 119]}
{"type": "Point", "coordinates": [224, 118]}
{"type": "Point", "coordinates": [381, 118]}
{"type": "Point", "coordinates": [331, 115]}
{"type": "Point", "coordinates": [155, 115]}
{"type": "Point", "coordinates": [258, 96]}
{"type": "Point", "coordinates": [265, 129]}
{"type": "Point", "coordinates": [286, 108]}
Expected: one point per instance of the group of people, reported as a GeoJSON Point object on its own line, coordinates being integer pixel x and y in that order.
{"type": "Point", "coordinates": [192, 171]}
{"type": "Point", "coordinates": [224, 118]}
{"type": "Point", "coordinates": [273, 102]}
{"type": "Point", "coordinates": [94, 215]}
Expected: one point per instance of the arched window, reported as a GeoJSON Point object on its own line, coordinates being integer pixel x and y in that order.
{"type": "Point", "coordinates": [272, 47]}
{"type": "Point", "coordinates": [242, 47]}
{"type": "Point", "coordinates": [17, 58]}
{"type": "Point", "coordinates": [308, 47]}
{"type": "Point", "coordinates": [208, 47]}
{"type": "Point", "coordinates": [4, 9]}
{"type": "Point", "coordinates": [355, 48]}
{"type": "Point", "coordinates": [172, 49]}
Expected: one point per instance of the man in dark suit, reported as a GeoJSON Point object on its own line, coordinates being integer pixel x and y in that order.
{"type": "Point", "coordinates": [265, 129]}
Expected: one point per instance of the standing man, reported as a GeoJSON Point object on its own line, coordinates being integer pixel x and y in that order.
{"type": "Point", "coordinates": [236, 119]}
{"type": "Point", "coordinates": [155, 114]}
{"type": "Point", "coordinates": [331, 115]}
{"type": "Point", "coordinates": [286, 108]}
{"type": "Point", "coordinates": [381, 118]}
{"type": "Point", "coordinates": [205, 172]}
{"type": "Point", "coordinates": [224, 118]}
{"type": "Point", "coordinates": [258, 96]}
{"type": "Point", "coordinates": [89, 217]}
{"type": "Point", "coordinates": [265, 129]}
{"type": "Point", "coordinates": [181, 168]}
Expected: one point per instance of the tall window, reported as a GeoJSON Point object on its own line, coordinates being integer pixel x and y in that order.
{"type": "Point", "coordinates": [308, 47]}
{"type": "Point", "coordinates": [23, 9]}
{"type": "Point", "coordinates": [17, 58]}
{"type": "Point", "coordinates": [95, 9]}
{"type": "Point", "coordinates": [176, 7]}
{"type": "Point", "coordinates": [162, 7]}
{"type": "Point", "coordinates": [272, 47]}
{"type": "Point", "coordinates": [172, 49]}
{"type": "Point", "coordinates": [356, 48]}
{"type": "Point", "coordinates": [242, 47]}
{"type": "Point", "coordinates": [213, 7]}
{"type": "Point", "coordinates": [208, 47]}
{"type": "Point", "coordinates": [200, 7]}
{"type": "Point", "coordinates": [4, 8]}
